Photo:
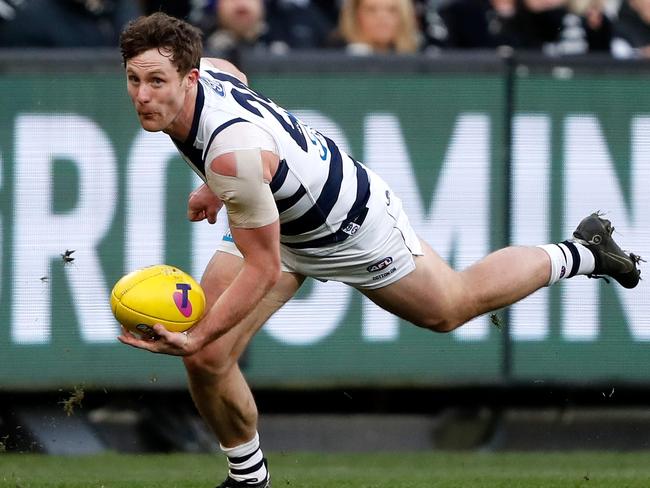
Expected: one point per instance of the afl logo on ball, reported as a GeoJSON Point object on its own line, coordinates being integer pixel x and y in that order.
{"type": "Point", "coordinates": [379, 265]}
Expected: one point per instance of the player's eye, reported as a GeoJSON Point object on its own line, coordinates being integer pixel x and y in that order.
{"type": "Point", "coordinates": [132, 79]}
{"type": "Point", "coordinates": [157, 81]}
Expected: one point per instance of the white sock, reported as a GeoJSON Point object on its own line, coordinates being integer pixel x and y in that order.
{"type": "Point", "coordinates": [246, 461]}
{"type": "Point", "coordinates": [568, 259]}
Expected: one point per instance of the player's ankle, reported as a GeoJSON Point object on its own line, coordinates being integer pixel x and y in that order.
{"type": "Point", "coordinates": [246, 461]}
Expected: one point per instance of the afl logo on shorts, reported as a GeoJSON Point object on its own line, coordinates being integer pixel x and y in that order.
{"type": "Point", "coordinates": [379, 265]}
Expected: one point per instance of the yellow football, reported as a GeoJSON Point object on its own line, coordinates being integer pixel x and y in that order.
{"type": "Point", "coordinates": [159, 294]}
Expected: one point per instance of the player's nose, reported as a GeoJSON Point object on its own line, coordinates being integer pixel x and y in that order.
{"type": "Point", "coordinates": [143, 94]}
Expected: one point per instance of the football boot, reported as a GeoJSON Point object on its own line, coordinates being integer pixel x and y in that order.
{"type": "Point", "coordinates": [595, 233]}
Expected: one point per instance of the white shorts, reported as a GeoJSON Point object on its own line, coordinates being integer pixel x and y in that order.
{"type": "Point", "coordinates": [379, 254]}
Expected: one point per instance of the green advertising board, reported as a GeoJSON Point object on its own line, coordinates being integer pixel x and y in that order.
{"type": "Point", "coordinates": [593, 131]}
{"type": "Point", "coordinates": [79, 174]}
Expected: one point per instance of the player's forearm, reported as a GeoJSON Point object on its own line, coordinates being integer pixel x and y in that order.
{"type": "Point", "coordinates": [240, 298]}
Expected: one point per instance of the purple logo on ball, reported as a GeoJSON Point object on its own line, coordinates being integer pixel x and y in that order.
{"type": "Point", "coordinates": [182, 299]}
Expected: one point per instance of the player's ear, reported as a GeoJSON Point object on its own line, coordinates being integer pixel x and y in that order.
{"type": "Point", "coordinates": [192, 78]}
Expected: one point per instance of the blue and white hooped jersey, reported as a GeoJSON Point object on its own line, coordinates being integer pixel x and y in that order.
{"type": "Point", "coordinates": [321, 192]}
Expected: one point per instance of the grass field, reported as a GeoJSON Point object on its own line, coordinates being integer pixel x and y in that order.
{"type": "Point", "coordinates": [289, 470]}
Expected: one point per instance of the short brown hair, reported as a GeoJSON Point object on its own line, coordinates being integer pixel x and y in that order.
{"type": "Point", "coordinates": [160, 31]}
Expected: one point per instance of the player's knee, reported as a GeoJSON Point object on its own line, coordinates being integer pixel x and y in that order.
{"type": "Point", "coordinates": [438, 324]}
{"type": "Point", "coordinates": [443, 326]}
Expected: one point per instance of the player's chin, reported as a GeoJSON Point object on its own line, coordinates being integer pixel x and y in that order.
{"type": "Point", "coordinates": [151, 128]}
{"type": "Point", "coordinates": [150, 125]}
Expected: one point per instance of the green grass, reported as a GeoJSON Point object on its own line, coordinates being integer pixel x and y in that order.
{"type": "Point", "coordinates": [403, 470]}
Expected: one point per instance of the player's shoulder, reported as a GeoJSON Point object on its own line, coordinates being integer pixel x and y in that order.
{"type": "Point", "coordinates": [224, 66]}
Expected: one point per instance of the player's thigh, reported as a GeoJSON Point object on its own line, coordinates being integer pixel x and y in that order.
{"type": "Point", "coordinates": [220, 272]}
{"type": "Point", "coordinates": [426, 296]}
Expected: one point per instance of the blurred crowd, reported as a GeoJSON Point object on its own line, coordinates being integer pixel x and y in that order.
{"type": "Point", "coordinates": [553, 27]}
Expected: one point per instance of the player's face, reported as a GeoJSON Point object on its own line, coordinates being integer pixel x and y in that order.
{"type": "Point", "coordinates": [157, 90]}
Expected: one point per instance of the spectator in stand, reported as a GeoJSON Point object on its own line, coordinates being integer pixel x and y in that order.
{"type": "Point", "coordinates": [64, 23]}
{"type": "Point", "coordinates": [631, 31]}
{"type": "Point", "coordinates": [299, 24]}
{"type": "Point", "coordinates": [597, 16]}
{"type": "Point", "coordinates": [549, 26]}
{"type": "Point", "coordinates": [274, 26]}
{"type": "Point", "coordinates": [377, 27]}
{"type": "Point", "coordinates": [231, 25]}
{"type": "Point", "coordinates": [466, 24]}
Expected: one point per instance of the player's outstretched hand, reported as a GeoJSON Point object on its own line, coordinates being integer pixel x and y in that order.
{"type": "Point", "coordinates": [203, 204]}
{"type": "Point", "coordinates": [162, 342]}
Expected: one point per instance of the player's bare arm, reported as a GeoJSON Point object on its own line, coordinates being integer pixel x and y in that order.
{"type": "Point", "coordinates": [240, 179]}
{"type": "Point", "coordinates": [260, 272]}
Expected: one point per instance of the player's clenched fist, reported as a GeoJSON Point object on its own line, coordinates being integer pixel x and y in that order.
{"type": "Point", "coordinates": [203, 204]}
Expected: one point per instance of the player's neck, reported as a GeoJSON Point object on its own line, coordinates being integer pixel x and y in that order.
{"type": "Point", "coordinates": [180, 128]}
